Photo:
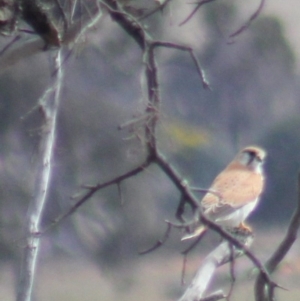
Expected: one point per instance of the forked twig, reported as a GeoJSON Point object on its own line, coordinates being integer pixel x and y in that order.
{"type": "Point", "coordinates": [92, 190]}
{"type": "Point", "coordinates": [190, 50]}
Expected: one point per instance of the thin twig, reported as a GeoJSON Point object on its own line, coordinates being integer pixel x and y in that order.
{"type": "Point", "coordinates": [126, 21]}
{"type": "Point", "coordinates": [214, 296]}
{"type": "Point", "coordinates": [202, 190]}
{"type": "Point", "coordinates": [184, 225]}
{"type": "Point", "coordinates": [92, 190]}
{"type": "Point", "coordinates": [160, 242]}
{"type": "Point", "coordinates": [193, 244]}
{"type": "Point", "coordinates": [190, 50]}
{"type": "Point", "coordinates": [155, 10]}
{"type": "Point", "coordinates": [194, 11]}
{"type": "Point", "coordinates": [154, 155]}
{"type": "Point", "coordinates": [184, 261]}
{"type": "Point", "coordinates": [185, 254]}
{"type": "Point", "coordinates": [62, 13]}
{"type": "Point", "coordinates": [153, 95]}
{"type": "Point", "coordinates": [232, 272]}
{"type": "Point", "coordinates": [180, 183]}
{"type": "Point", "coordinates": [8, 45]}
{"type": "Point", "coordinates": [120, 193]}
{"type": "Point", "coordinates": [132, 121]}
{"type": "Point", "coordinates": [251, 19]}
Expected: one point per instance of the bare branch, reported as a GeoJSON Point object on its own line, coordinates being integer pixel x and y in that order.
{"type": "Point", "coordinates": [32, 47]}
{"type": "Point", "coordinates": [193, 244]}
{"type": "Point", "coordinates": [218, 295]}
{"type": "Point", "coordinates": [155, 10]}
{"type": "Point", "coordinates": [183, 269]}
{"type": "Point", "coordinates": [280, 252]}
{"type": "Point", "coordinates": [190, 50]}
{"type": "Point", "coordinates": [153, 94]}
{"type": "Point", "coordinates": [120, 193]}
{"type": "Point", "coordinates": [188, 196]}
{"type": "Point", "coordinates": [226, 251]}
{"type": "Point", "coordinates": [194, 11]}
{"type": "Point", "coordinates": [39, 19]}
{"type": "Point", "coordinates": [230, 238]}
{"type": "Point", "coordinates": [148, 46]}
{"type": "Point", "coordinates": [289, 239]}
{"type": "Point", "coordinates": [127, 22]}
{"type": "Point", "coordinates": [192, 200]}
{"type": "Point", "coordinates": [196, 290]}
{"type": "Point", "coordinates": [49, 104]}
{"type": "Point", "coordinates": [232, 271]}
{"type": "Point", "coordinates": [8, 45]}
{"type": "Point", "coordinates": [180, 183]}
{"type": "Point", "coordinates": [251, 19]}
{"type": "Point", "coordinates": [160, 242]}
{"type": "Point", "coordinates": [186, 252]}
{"type": "Point", "coordinates": [62, 13]}
{"type": "Point", "coordinates": [132, 122]}
{"type": "Point", "coordinates": [92, 190]}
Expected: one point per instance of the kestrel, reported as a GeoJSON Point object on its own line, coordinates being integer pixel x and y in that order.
{"type": "Point", "coordinates": [235, 192]}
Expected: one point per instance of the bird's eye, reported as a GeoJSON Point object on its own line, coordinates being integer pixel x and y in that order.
{"type": "Point", "coordinates": [252, 154]}
{"type": "Point", "coordinates": [253, 157]}
{"type": "Point", "coordinates": [259, 159]}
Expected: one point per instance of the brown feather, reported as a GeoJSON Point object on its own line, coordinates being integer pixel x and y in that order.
{"type": "Point", "coordinates": [236, 185]}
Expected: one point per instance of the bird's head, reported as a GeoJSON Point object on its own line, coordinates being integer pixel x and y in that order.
{"type": "Point", "coordinates": [252, 157]}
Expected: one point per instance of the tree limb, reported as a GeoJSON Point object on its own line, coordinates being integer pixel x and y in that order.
{"type": "Point", "coordinates": [92, 190]}
{"type": "Point", "coordinates": [49, 105]}
{"type": "Point", "coordinates": [220, 255]}
{"type": "Point", "coordinates": [279, 254]}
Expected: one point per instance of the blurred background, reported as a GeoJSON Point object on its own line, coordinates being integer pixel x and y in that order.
{"type": "Point", "coordinates": [254, 100]}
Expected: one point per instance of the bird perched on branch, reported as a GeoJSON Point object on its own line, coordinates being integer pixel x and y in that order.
{"type": "Point", "coordinates": [235, 192]}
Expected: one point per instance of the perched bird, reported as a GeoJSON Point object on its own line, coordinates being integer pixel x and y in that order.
{"type": "Point", "coordinates": [235, 192]}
